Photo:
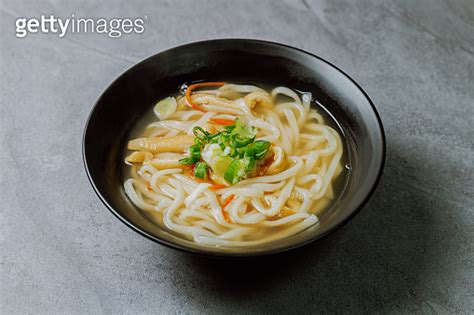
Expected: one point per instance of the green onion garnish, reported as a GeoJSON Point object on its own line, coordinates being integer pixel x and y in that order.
{"type": "Point", "coordinates": [201, 134]}
{"type": "Point", "coordinates": [260, 148]}
{"type": "Point", "coordinates": [195, 152]}
{"type": "Point", "coordinates": [232, 173]}
{"type": "Point", "coordinates": [194, 155]}
{"type": "Point", "coordinates": [251, 164]}
{"type": "Point", "coordinates": [200, 170]}
{"type": "Point", "coordinates": [186, 161]}
{"type": "Point", "coordinates": [236, 147]}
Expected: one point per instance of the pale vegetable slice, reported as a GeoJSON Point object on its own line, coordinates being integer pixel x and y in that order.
{"type": "Point", "coordinates": [167, 160]}
{"type": "Point", "coordinates": [139, 157]}
{"type": "Point", "coordinates": [165, 108]}
{"type": "Point", "coordinates": [212, 155]}
{"type": "Point", "coordinates": [177, 143]}
{"type": "Point", "coordinates": [160, 161]}
{"type": "Point", "coordinates": [220, 165]}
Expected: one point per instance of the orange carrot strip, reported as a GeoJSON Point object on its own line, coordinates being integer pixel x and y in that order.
{"type": "Point", "coordinates": [224, 122]}
{"type": "Point", "coordinates": [227, 201]}
{"type": "Point", "coordinates": [224, 213]}
{"type": "Point", "coordinates": [217, 186]}
{"type": "Point", "coordinates": [189, 90]}
{"type": "Point", "coordinates": [226, 216]}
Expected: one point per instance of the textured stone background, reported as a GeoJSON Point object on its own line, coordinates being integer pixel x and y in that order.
{"type": "Point", "coordinates": [411, 248]}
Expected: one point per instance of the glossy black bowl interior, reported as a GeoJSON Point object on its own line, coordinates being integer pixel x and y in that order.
{"type": "Point", "coordinates": [133, 93]}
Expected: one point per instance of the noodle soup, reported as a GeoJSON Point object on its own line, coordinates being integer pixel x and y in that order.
{"type": "Point", "coordinates": [225, 164]}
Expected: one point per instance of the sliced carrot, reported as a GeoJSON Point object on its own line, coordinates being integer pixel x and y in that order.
{"type": "Point", "coordinates": [217, 186]}
{"type": "Point", "coordinates": [224, 213]}
{"type": "Point", "coordinates": [189, 90]}
{"type": "Point", "coordinates": [223, 122]}
{"type": "Point", "coordinates": [226, 216]}
{"type": "Point", "coordinates": [227, 201]}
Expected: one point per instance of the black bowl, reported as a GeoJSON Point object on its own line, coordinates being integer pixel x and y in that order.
{"type": "Point", "coordinates": [131, 96]}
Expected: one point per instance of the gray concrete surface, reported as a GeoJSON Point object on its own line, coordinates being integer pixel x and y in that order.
{"type": "Point", "coordinates": [410, 250]}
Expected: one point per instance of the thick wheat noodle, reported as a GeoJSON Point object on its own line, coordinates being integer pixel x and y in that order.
{"type": "Point", "coordinates": [284, 139]}
{"type": "Point", "coordinates": [312, 154]}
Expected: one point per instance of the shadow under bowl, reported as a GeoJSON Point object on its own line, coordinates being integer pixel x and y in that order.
{"type": "Point", "coordinates": [131, 96]}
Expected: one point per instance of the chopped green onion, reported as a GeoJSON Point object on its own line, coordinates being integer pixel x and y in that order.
{"type": "Point", "coordinates": [251, 164]}
{"type": "Point", "coordinates": [229, 128]}
{"type": "Point", "coordinates": [186, 161]}
{"type": "Point", "coordinates": [200, 170]}
{"type": "Point", "coordinates": [165, 108]}
{"type": "Point", "coordinates": [232, 173]}
{"type": "Point", "coordinates": [201, 134]}
{"type": "Point", "coordinates": [194, 155]}
{"type": "Point", "coordinates": [195, 152]}
{"type": "Point", "coordinates": [244, 131]}
{"type": "Point", "coordinates": [231, 153]}
{"type": "Point", "coordinates": [242, 142]}
{"type": "Point", "coordinates": [260, 148]}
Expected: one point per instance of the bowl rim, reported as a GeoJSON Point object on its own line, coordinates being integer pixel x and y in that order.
{"type": "Point", "coordinates": [202, 251]}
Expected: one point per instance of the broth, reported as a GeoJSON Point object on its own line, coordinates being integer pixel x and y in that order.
{"type": "Point", "coordinates": [250, 218]}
